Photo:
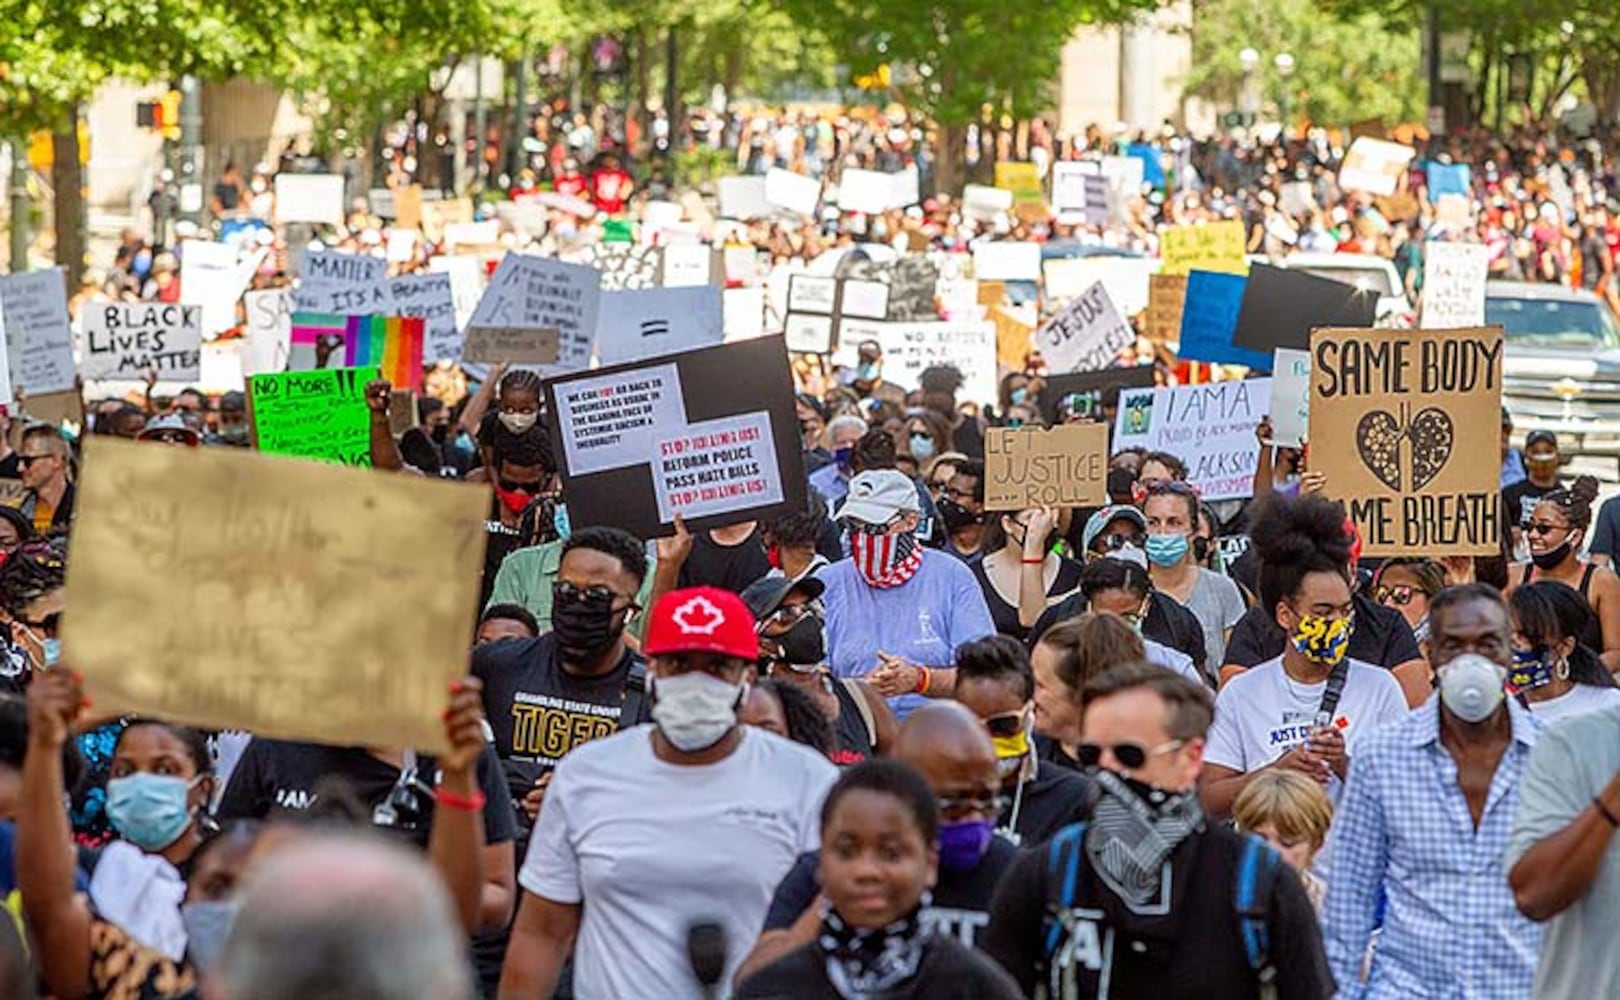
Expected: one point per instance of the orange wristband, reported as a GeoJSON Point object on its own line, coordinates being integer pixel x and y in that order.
{"type": "Point", "coordinates": [923, 682]}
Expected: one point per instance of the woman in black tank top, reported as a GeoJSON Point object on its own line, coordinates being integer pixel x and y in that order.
{"type": "Point", "coordinates": [1556, 532]}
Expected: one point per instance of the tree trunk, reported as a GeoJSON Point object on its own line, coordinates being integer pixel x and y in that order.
{"type": "Point", "coordinates": [950, 159]}
{"type": "Point", "coordinates": [640, 94]}
{"type": "Point", "coordinates": [67, 178]}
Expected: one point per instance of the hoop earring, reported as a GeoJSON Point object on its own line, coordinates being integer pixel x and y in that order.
{"type": "Point", "coordinates": [1562, 671]}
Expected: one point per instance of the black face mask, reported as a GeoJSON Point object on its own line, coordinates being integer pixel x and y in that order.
{"type": "Point", "coordinates": [956, 517]}
{"type": "Point", "coordinates": [440, 433]}
{"type": "Point", "coordinates": [805, 644]}
{"type": "Point", "coordinates": [1200, 547]}
{"type": "Point", "coordinates": [585, 629]}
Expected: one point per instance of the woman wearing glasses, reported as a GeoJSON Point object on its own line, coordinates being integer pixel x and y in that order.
{"type": "Point", "coordinates": [1556, 530]}
{"type": "Point", "coordinates": [1408, 585]}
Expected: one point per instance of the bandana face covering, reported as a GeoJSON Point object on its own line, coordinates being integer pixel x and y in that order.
{"type": "Point", "coordinates": [886, 561]}
{"type": "Point", "coordinates": [516, 501]}
{"type": "Point", "coordinates": [865, 965]}
{"type": "Point", "coordinates": [1134, 827]}
{"type": "Point", "coordinates": [1323, 640]}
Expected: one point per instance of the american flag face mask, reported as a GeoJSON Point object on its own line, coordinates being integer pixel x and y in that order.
{"type": "Point", "coordinates": [885, 558]}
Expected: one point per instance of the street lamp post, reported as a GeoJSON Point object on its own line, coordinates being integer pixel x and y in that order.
{"type": "Point", "coordinates": [1284, 62]}
{"type": "Point", "coordinates": [1249, 59]}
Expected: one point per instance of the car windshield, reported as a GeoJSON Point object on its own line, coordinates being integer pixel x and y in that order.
{"type": "Point", "coordinates": [1368, 279]}
{"type": "Point", "coordinates": [1553, 323]}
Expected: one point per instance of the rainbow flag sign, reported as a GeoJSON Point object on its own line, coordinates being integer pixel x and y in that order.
{"type": "Point", "coordinates": [391, 343]}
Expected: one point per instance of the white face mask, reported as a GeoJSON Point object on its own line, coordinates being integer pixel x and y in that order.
{"type": "Point", "coordinates": [695, 710]}
{"type": "Point", "coordinates": [1471, 687]}
{"type": "Point", "coordinates": [518, 423]}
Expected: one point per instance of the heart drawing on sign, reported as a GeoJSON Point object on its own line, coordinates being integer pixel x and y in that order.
{"type": "Point", "coordinates": [1429, 437]}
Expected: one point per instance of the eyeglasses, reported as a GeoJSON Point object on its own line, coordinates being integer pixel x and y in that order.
{"type": "Point", "coordinates": [786, 615]}
{"type": "Point", "coordinates": [1005, 725]}
{"type": "Point", "coordinates": [1131, 755]}
{"type": "Point", "coordinates": [51, 624]}
{"type": "Point", "coordinates": [961, 807]}
{"type": "Point", "coordinates": [1544, 528]}
{"type": "Point", "coordinates": [26, 460]}
{"type": "Point", "coordinates": [1118, 540]}
{"type": "Point", "coordinates": [1400, 595]}
{"type": "Point", "coordinates": [957, 496]}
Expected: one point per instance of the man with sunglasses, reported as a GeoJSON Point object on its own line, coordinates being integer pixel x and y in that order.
{"type": "Point", "coordinates": [647, 832]}
{"type": "Point", "coordinates": [945, 743]}
{"type": "Point", "coordinates": [1143, 899]}
{"type": "Point", "coordinates": [792, 628]}
{"type": "Point", "coordinates": [547, 695]}
{"type": "Point", "coordinates": [43, 462]}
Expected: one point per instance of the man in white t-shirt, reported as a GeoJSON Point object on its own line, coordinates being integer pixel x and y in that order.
{"type": "Point", "coordinates": [693, 819]}
{"type": "Point", "coordinates": [1275, 715]}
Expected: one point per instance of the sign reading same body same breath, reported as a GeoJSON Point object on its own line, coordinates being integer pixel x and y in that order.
{"type": "Point", "coordinates": [296, 648]}
{"type": "Point", "coordinates": [125, 340]}
{"type": "Point", "coordinates": [1065, 466]}
{"type": "Point", "coordinates": [680, 434]}
{"type": "Point", "coordinates": [1398, 422]}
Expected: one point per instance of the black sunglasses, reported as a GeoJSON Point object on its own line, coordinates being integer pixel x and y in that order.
{"type": "Point", "coordinates": [1005, 725]}
{"type": "Point", "coordinates": [1130, 755]}
{"type": "Point", "coordinates": [26, 460]}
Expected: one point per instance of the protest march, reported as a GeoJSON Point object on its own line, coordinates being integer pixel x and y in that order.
{"type": "Point", "coordinates": [1152, 565]}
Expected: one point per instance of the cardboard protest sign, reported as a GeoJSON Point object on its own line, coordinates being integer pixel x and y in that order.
{"type": "Point", "coordinates": [1290, 397]}
{"type": "Point", "coordinates": [647, 323]}
{"type": "Point", "coordinates": [1210, 246]}
{"type": "Point", "coordinates": [1003, 260]}
{"type": "Point", "coordinates": [1015, 333]}
{"type": "Point", "coordinates": [643, 441]}
{"type": "Point", "coordinates": [1167, 296]}
{"type": "Point", "coordinates": [430, 298]}
{"type": "Point", "coordinates": [345, 284]}
{"type": "Point", "coordinates": [1282, 306]}
{"type": "Point", "coordinates": [260, 609]}
{"type": "Point", "coordinates": [125, 340]}
{"type": "Point", "coordinates": [314, 198]}
{"type": "Point", "coordinates": [408, 206]}
{"type": "Point", "coordinates": [1454, 284]}
{"type": "Point", "coordinates": [1087, 335]}
{"type": "Point", "coordinates": [1374, 166]}
{"type": "Point", "coordinates": [1064, 466]}
{"type": "Point", "coordinates": [544, 294]}
{"type": "Point", "coordinates": [1210, 317]}
{"type": "Point", "coordinates": [489, 345]}
{"type": "Point", "coordinates": [1210, 427]}
{"type": "Point", "coordinates": [56, 408]}
{"type": "Point", "coordinates": [793, 192]}
{"type": "Point", "coordinates": [1093, 394]}
{"type": "Point", "coordinates": [1404, 424]}
{"type": "Point", "coordinates": [319, 414]}
{"type": "Point", "coordinates": [39, 340]}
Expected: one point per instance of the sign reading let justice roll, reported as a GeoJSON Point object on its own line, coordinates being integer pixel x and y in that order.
{"type": "Point", "coordinates": [1404, 425]}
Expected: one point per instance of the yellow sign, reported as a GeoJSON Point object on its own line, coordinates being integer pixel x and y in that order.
{"type": "Point", "coordinates": [299, 600]}
{"type": "Point", "coordinates": [1023, 180]}
{"type": "Point", "coordinates": [1210, 246]}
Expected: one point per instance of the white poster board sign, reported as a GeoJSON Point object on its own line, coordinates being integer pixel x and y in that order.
{"type": "Point", "coordinates": [125, 340]}
{"type": "Point", "coordinates": [1086, 336]}
{"type": "Point", "coordinates": [343, 284]}
{"type": "Point", "coordinates": [644, 323]}
{"type": "Point", "coordinates": [538, 293]}
{"type": "Point", "coordinates": [1006, 261]}
{"type": "Point", "coordinates": [39, 340]}
{"type": "Point", "coordinates": [269, 331]}
{"type": "Point", "coordinates": [792, 192]}
{"type": "Point", "coordinates": [743, 198]}
{"type": "Point", "coordinates": [1374, 166]}
{"type": "Point", "coordinates": [1454, 285]}
{"type": "Point", "coordinates": [1210, 427]}
{"type": "Point", "coordinates": [213, 276]}
{"type": "Point", "coordinates": [314, 198]}
{"type": "Point", "coordinates": [1290, 396]}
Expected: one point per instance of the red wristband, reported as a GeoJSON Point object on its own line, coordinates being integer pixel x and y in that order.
{"type": "Point", "coordinates": [1034, 562]}
{"type": "Point", "coordinates": [465, 803]}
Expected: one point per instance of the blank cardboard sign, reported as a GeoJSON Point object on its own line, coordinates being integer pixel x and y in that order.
{"type": "Point", "coordinates": [1401, 422]}
{"type": "Point", "coordinates": [1281, 308]}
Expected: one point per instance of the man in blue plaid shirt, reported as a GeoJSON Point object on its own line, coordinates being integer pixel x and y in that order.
{"type": "Point", "coordinates": [1424, 823]}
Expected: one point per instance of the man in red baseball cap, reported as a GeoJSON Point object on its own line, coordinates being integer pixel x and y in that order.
{"type": "Point", "coordinates": [649, 831]}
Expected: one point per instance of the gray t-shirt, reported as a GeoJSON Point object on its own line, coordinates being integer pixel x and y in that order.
{"type": "Point", "coordinates": [1572, 762]}
{"type": "Point", "coordinates": [1218, 604]}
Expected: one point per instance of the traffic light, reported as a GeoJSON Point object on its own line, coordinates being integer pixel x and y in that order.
{"type": "Point", "coordinates": [162, 115]}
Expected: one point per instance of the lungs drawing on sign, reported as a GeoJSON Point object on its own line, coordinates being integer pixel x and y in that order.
{"type": "Point", "coordinates": [1422, 444]}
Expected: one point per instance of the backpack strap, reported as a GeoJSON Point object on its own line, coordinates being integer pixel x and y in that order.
{"type": "Point", "coordinates": [1063, 855]}
{"type": "Point", "coordinates": [635, 696]}
{"type": "Point", "coordinates": [1251, 900]}
{"type": "Point", "coordinates": [853, 687]}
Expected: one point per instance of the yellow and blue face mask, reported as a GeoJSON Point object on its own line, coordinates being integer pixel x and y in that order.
{"type": "Point", "coordinates": [1323, 640]}
{"type": "Point", "coordinates": [1009, 734]}
{"type": "Point", "coordinates": [1531, 669]}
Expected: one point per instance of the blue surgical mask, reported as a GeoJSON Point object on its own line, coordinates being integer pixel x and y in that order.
{"type": "Point", "coordinates": [1167, 550]}
{"type": "Point", "coordinates": [464, 442]}
{"type": "Point", "coordinates": [867, 371]}
{"type": "Point", "coordinates": [52, 648]}
{"type": "Point", "coordinates": [559, 521]}
{"type": "Point", "coordinates": [151, 811]}
{"type": "Point", "coordinates": [1018, 395]}
{"type": "Point", "coordinates": [922, 447]}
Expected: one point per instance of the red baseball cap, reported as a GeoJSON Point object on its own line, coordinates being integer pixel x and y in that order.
{"type": "Point", "coordinates": [702, 620]}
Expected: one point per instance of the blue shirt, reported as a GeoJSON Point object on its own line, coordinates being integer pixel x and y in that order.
{"type": "Point", "coordinates": [1403, 831]}
{"type": "Point", "coordinates": [923, 619]}
{"type": "Point", "coordinates": [1513, 468]}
